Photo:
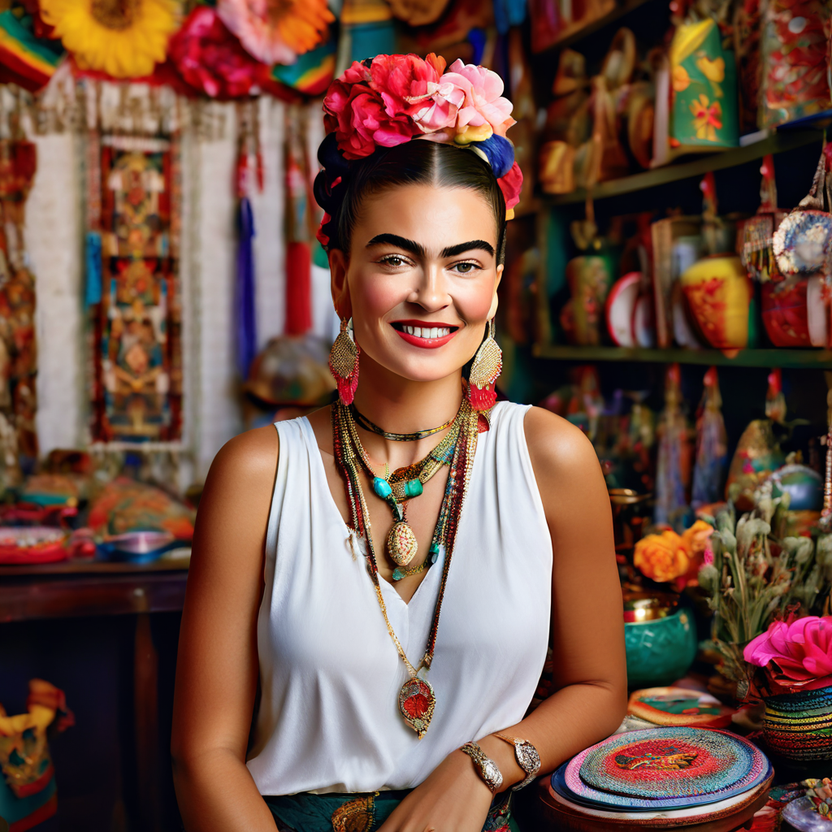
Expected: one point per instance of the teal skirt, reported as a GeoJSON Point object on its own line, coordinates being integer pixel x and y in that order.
{"type": "Point", "coordinates": [361, 812]}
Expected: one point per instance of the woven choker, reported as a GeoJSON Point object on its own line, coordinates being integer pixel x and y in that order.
{"type": "Point", "coordinates": [365, 423]}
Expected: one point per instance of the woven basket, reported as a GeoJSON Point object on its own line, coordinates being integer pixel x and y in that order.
{"type": "Point", "coordinates": [798, 726]}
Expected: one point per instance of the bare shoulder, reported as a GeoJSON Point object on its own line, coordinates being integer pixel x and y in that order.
{"type": "Point", "coordinates": [253, 453]}
{"type": "Point", "coordinates": [556, 446]}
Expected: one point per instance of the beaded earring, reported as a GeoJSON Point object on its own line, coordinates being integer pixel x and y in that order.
{"type": "Point", "coordinates": [485, 370]}
{"type": "Point", "coordinates": [343, 362]}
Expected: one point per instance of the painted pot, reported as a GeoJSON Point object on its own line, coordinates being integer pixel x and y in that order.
{"type": "Point", "coordinates": [719, 295]}
{"type": "Point", "coordinates": [798, 726]}
{"type": "Point", "coordinates": [785, 313]}
{"type": "Point", "coordinates": [590, 278]}
{"type": "Point", "coordinates": [659, 651]}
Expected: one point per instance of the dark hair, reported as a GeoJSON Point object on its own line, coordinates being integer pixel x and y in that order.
{"type": "Point", "coordinates": [342, 185]}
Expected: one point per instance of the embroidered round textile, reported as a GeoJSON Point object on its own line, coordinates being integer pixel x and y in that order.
{"type": "Point", "coordinates": [567, 782]}
{"type": "Point", "coordinates": [667, 762]}
{"type": "Point", "coordinates": [732, 806]}
{"type": "Point", "coordinates": [679, 706]}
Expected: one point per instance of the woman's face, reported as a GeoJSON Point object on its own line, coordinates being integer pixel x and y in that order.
{"type": "Point", "coordinates": [421, 279]}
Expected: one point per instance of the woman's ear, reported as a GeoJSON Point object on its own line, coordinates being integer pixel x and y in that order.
{"type": "Point", "coordinates": [338, 283]}
{"type": "Point", "coordinates": [495, 301]}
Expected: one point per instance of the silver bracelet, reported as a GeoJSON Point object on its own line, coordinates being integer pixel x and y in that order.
{"type": "Point", "coordinates": [486, 767]}
{"type": "Point", "coordinates": [527, 758]}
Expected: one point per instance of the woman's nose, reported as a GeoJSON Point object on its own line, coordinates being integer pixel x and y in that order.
{"type": "Point", "coordinates": [431, 293]}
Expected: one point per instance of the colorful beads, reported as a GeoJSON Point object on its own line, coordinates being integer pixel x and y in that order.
{"type": "Point", "coordinates": [413, 488]}
{"type": "Point", "coordinates": [382, 487]}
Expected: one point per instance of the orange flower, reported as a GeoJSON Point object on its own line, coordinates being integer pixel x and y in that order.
{"type": "Point", "coordinates": [712, 70]}
{"type": "Point", "coordinates": [706, 119]}
{"type": "Point", "coordinates": [662, 557]}
{"type": "Point", "coordinates": [681, 79]}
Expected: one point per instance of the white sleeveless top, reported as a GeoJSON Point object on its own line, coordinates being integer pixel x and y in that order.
{"type": "Point", "coordinates": [330, 674]}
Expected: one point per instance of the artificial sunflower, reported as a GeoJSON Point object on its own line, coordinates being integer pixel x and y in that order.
{"type": "Point", "coordinates": [277, 31]}
{"type": "Point", "coordinates": [124, 38]}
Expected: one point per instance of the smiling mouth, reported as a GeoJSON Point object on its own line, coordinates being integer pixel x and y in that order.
{"type": "Point", "coordinates": [426, 332]}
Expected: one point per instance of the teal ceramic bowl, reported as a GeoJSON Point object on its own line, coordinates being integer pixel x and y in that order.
{"type": "Point", "coordinates": [660, 651]}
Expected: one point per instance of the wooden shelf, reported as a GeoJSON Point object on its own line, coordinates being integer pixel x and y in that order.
{"type": "Point", "coordinates": [776, 143]}
{"type": "Point", "coordinates": [571, 35]}
{"type": "Point", "coordinates": [794, 358]}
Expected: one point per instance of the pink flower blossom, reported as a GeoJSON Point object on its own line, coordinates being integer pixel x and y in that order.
{"type": "Point", "coordinates": [708, 556]}
{"type": "Point", "coordinates": [510, 185]}
{"type": "Point", "coordinates": [475, 93]}
{"type": "Point", "coordinates": [794, 651]}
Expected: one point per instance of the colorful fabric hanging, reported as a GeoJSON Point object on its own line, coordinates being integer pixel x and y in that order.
{"type": "Point", "coordinates": [711, 445]}
{"type": "Point", "coordinates": [18, 347]}
{"type": "Point", "coordinates": [245, 299]}
{"type": "Point", "coordinates": [137, 367]}
{"type": "Point", "coordinates": [298, 226]}
{"type": "Point", "coordinates": [26, 59]}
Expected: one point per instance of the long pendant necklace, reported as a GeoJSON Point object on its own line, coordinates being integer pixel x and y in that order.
{"type": "Point", "coordinates": [416, 699]}
{"type": "Point", "coordinates": [404, 484]}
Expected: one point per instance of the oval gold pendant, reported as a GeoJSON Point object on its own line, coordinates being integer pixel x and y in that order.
{"type": "Point", "coordinates": [401, 544]}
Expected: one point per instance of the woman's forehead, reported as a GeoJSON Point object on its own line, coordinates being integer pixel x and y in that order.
{"type": "Point", "coordinates": [437, 217]}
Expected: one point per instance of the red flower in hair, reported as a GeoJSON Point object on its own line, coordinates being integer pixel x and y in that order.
{"type": "Point", "coordinates": [510, 185]}
{"type": "Point", "coordinates": [405, 82]}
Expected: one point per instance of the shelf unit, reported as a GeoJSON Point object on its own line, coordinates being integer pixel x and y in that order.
{"type": "Point", "coordinates": [786, 358]}
{"type": "Point", "coordinates": [778, 142]}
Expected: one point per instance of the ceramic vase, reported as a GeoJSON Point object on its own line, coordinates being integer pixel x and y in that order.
{"type": "Point", "coordinates": [719, 295]}
{"type": "Point", "coordinates": [798, 726]}
{"type": "Point", "coordinates": [590, 278]}
{"type": "Point", "coordinates": [785, 313]}
{"type": "Point", "coordinates": [661, 651]}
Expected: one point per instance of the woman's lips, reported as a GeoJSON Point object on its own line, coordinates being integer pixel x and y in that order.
{"type": "Point", "coordinates": [420, 340]}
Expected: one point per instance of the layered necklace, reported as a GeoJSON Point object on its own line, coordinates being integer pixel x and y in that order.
{"type": "Point", "coordinates": [416, 698]}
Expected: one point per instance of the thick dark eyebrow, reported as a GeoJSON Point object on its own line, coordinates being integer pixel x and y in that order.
{"type": "Point", "coordinates": [453, 251]}
{"type": "Point", "coordinates": [416, 249]}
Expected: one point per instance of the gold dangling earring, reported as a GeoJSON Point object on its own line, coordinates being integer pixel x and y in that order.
{"type": "Point", "coordinates": [343, 362]}
{"type": "Point", "coordinates": [485, 370]}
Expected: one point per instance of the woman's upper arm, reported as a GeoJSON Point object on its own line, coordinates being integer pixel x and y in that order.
{"type": "Point", "coordinates": [587, 615]}
{"type": "Point", "coordinates": [217, 666]}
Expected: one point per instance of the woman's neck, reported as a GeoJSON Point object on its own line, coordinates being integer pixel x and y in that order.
{"type": "Point", "coordinates": [399, 405]}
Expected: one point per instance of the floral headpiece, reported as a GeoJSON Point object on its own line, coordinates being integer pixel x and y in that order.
{"type": "Point", "coordinates": [393, 99]}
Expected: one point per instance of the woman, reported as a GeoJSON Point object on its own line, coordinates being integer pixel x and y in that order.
{"type": "Point", "coordinates": [381, 576]}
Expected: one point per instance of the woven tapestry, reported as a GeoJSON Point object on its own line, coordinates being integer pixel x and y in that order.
{"type": "Point", "coordinates": [137, 372]}
{"type": "Point", "coordinates": [18, 349]}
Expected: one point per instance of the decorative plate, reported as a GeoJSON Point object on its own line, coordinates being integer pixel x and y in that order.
{"type": "Point", "coordinates": [679, 706]}
{"type": "Point", "coordinates": [567, 782]}
{"type": "Point", "coordinates": [33, 544]}
{"type": "Point", "coordinates": [803, 242]}
{"type": "Point", "coordinates": [667, 762]}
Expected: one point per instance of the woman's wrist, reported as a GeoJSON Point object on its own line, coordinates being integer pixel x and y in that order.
{"type": "Point", "coordinates": [503, 755]}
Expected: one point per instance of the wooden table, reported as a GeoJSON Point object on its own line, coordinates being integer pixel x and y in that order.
{"type": "Point", "coordinates": [98, 588]}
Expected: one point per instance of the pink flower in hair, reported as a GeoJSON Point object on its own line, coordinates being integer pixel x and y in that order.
{"type": "Point", "coordinates": [510, 185]}
{"type": "Point", "coordinates": [477, 95]}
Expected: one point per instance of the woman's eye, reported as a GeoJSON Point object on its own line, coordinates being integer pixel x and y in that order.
{"type": "Point", "coordinates": [466, 268]}
{"type": "Point", "coordinates": [393, 260]}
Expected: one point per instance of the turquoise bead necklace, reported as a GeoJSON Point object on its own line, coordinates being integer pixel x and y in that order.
{"type": "Point", "coordinates": [402, 485]}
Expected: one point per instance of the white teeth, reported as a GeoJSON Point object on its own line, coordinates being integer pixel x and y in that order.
{"type": "Point", "coordinates": [427, 332]}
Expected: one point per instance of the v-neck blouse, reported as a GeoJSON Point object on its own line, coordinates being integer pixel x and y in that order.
{"type": "Point", "coordinates": [328, 718]}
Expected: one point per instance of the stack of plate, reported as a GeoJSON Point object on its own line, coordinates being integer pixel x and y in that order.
{"type": "Point", "coordinates": [662, 778]}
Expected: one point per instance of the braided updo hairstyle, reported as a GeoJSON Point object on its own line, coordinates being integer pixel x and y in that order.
{"type": "Point", "coordinates": [342, 185]}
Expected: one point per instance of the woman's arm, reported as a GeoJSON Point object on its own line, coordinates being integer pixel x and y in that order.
{"type": "Point", "coordinates": [588, 638]}
{"type": "Point", "coordinates": [217, 666]}
{"type": "Point", "coordinates": [590, 669]}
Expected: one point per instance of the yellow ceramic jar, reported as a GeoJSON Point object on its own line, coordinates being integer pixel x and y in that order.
{"type": "Point", "coordinates": [719, 295]}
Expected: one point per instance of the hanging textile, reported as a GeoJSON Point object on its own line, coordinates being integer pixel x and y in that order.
{"type": "Point", "coordinates": [298, 225]}
{"type": "Point", "coordinates": [137, 374]}
{"type": "Point", "coordinates": [18, 348]}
